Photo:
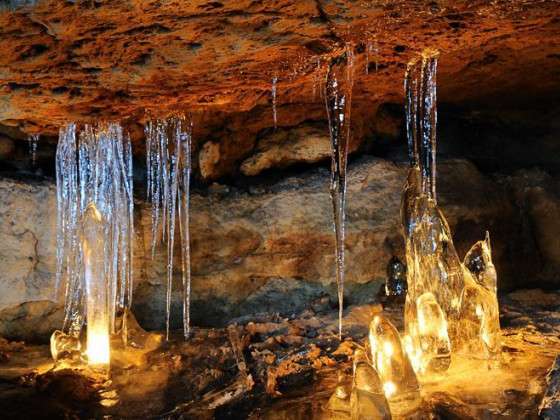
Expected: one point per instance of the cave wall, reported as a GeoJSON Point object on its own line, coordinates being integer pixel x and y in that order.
{"type": "Point", "coordinates": [271, 248]}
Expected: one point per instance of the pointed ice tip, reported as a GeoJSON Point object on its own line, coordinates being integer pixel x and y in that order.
{"type": "Point", "coordinates": [487, 240]}
{"type": "Point", "coordinates": [91, 212]}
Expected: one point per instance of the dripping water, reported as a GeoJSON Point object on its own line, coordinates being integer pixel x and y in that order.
{"type": "Point", "coordinates": [338, 100]}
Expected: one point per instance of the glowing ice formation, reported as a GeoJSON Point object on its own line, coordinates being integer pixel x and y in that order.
{"type": "Point", "coordinates": [367, 399]}
{"type": "Point", "coordinates": [94, 184]}
{"type": "Point", "coordinates": [450, 307]}
{"type": "Point", "coordinates": [390, 360]}
{"type": "Point", "coordinates": [338, 99]}
{"type": "Point", "coordinates": [168, 145]}
{"type": "Point", "coordinates": [93, 227]}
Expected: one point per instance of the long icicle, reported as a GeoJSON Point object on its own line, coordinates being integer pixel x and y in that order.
{"type": "Point", "coordinates": [338, 100]}
{"type": "Point", "coordinates": [184, 219]}
{"type": "Point", "coordinates": [96, 169]}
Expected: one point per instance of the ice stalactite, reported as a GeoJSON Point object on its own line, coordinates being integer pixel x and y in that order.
{"type": "Point", "coordinates": [441, 290]}
{"type": "Point", "coordinates": [338, 100]}
{"type": "Point", "coordinates": [274, 101]}
{"type": "Point", "coordinates": [168, 145]}
{"type": "Point", "coordinates": [94, 170]}
{"type": "Point", "coordinates": [33, 141]}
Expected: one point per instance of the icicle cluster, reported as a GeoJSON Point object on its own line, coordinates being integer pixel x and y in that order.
{"type": "Point", "coordinates": [451, 306]}
{"type": "Point", "coordinates": [168, 146]}
{"type": "Point", "coordinates": [338, 100]}
{"type": "Point", "coordinates": [94, 167]}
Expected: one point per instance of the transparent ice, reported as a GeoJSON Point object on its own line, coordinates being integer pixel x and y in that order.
{"type": "Point", "coordinates": [367, 399]}
{"type": "Point", "coordinates": [168, 145]}
{"type": "Point", "coordinates": [451, 306]}
{"type": "Point", "coordinates": [390, 360]}
{"type": "Point", "coordinates": [338, 100]}
{"type": "Point", "coordinates": [94, 166]}
{"type": "Point", "coordinates": [33, 141]}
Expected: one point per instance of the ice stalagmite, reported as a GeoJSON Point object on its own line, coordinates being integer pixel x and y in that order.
{"type": "Point", "coordinates": [479, 319]}
{"type": "Point", "coordinates": [94, 178]}
{"type": "Point", "coordinates": [367, 399]}
{"type": "Point", "coordinates": [390, 360]}
{"type": "Point", "coordinates": [441, 291]}
{"type": "Point", "coordinates": [338, 100]}
{"type": "Point", "coordinates": [168, 145]}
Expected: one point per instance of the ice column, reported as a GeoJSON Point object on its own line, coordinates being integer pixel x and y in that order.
{"type": "Point", "coordinates": [93, 242]}
{"type": "Point", "coordinates": [95, 226]}
{"type": "Point", "coordinates": [450, 305]}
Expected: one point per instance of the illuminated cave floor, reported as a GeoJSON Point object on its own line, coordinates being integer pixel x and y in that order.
{"type": "Point", "coordinates": [274, 368]}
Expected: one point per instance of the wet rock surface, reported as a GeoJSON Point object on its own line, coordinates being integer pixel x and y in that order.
{"type": "Point", "coordinates": [283, 368]}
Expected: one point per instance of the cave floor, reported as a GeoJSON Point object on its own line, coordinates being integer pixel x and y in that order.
{"type": "Point", "coordinates": [280, 368]}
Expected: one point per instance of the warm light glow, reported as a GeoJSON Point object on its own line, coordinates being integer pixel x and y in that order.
{"type": "Point", "coordinates": [389, 388]}
{"type": "Point", "coordinates": [98, 347]}
{"type": "Point", "coordinates": [387, 349]}
{"type": "Point", "coordinates": [96, 288]}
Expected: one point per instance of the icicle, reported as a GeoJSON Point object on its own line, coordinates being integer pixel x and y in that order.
{"type": "Point", "coordinates": [274, 113]}
{"type": "Point", "coordinates": [168, 144]}
{"type": "Point", "coordinates": [368, 47]}
{"type": "Point", "coordinates": [338, 99]}
{"type": "Point", "coordinates": [97, 171]}
{"type": "Point", "coordinates": [184, 218]}
{"type": "Point", "coordinates": [33, 141]}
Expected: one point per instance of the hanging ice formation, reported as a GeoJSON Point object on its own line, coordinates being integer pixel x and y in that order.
{"type": "Point", "coordinates": [94, 171]}
{"type": "Point", "coordinates": [273, 93]}
{"type": "Point", "coordinates": [168, 154]}
{"type": "Point", "coordinates": [338, 100]}
{"type": "Point", "coordinates": [33, 141]}
{"type": "Point", "coordinates": [448, 306]}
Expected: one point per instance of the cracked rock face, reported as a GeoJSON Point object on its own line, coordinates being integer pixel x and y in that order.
{"type": "Point", "coordinates": [128, 59]}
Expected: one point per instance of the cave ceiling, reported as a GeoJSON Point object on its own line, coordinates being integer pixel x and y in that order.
{"type": "Point", "coordinates": [130, 60]}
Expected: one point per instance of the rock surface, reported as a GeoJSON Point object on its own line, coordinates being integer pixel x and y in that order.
{"type": "Point", "coordinates": [304, 144]}
{"type": "Point", "coordinates": [270, 248]}
{"type": "Point", "coordinates": [270, 367]}
{"type": "Point", "coordinates": [84, 61]}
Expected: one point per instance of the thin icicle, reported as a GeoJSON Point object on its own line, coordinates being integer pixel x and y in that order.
{"type": "Point", "coordinates": [169, 167]}
{"type": "Point", "coordinates": [274, 112]}
{"type": "Point", "coordinates": [33, 141]}
{"type": "Point", "coordinates": [184, 218]}
{"type": "Point", "coordinates": [338, 100]}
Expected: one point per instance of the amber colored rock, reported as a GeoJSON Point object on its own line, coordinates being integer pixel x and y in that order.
{"type": "Point", "coordinates": [64, 61]}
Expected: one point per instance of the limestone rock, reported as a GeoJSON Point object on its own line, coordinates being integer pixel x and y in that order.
{"type": "Point", "coordinates": [32, 321]}
{"type": "Point", "coordinates": [208, 160]}
{"type": "Point", "coordinates": [304, 144]}
{"type": "Point", "coordinates": [269, 249]}
{"type": "Point", "coordinates": [28, 236]}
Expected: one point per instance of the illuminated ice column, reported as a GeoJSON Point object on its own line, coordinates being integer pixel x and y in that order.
{"type": "Point", "coordinates": [97, 299]}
